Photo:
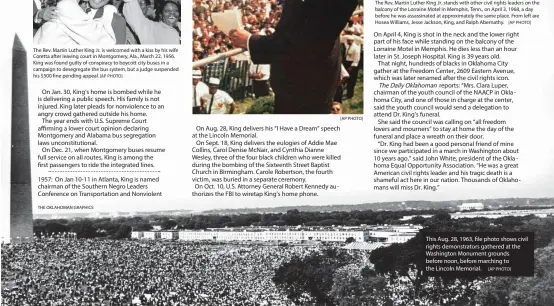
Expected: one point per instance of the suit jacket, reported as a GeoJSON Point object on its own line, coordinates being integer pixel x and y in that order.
{"type": "Point", "coordinates": [304, 52]}
{"type": "Point", "coordinates": [35, 11]}
{"type": "Point", "coordinates": [75, 27]}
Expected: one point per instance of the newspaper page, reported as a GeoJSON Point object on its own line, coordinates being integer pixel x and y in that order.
{"type": "Point", "coordinates": [276, 184]}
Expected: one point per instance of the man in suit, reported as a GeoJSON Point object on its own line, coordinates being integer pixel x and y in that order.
{"type": "Point", "coordinates": [351, 62]}
{"type": "Point", "coordinates": [99, 24]}
{"type": "Point", "coordinates": [304, 53]}
{"type": "Point", "coordinates": [42, 15]}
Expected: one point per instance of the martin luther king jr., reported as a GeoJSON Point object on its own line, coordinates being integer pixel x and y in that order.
{"type": "Point", "coordinates": [304, 53]}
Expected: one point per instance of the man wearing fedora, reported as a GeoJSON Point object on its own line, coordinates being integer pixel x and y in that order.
{"type": "Point", "coordinates": [216, 101]}
{"type": "Point", "coordinates": [199, 89]}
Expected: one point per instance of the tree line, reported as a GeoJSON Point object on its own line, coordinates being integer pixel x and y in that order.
{"type": "Point", "coordinates": [395, 276]}
{"type": "Point", "coordinates": [121, 227]}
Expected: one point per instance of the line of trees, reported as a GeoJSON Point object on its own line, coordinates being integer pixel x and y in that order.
{"type": "Point", "coordinates": [295, 217]}
{"type": "Point", "coordinates": [121, 227]}
{"type": "Point", "coordinates": [396, 275]}
{"type": "Point", "coordinates": [115, 228]}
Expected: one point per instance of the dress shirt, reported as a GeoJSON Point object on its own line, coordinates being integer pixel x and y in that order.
{"type": "Point", "coordinates": [353, 53]}
{"type": "Point", "coordinates": [221, 99]}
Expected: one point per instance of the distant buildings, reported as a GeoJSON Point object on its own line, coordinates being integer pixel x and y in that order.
{"type": "Point", "coordinates": [151, 235]}
{"type": "Point", "coordinates": [471, 206]}
{"type": "Point", "coordinates": [363, 246]}
{"type": "Point", "coordinates": [494, 214]}
{"type": "Point", "coordinates": [137, 235]}
{"type": "Point", "coordinates": [383, 234]}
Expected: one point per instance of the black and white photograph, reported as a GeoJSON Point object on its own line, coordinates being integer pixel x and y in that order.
{"type": "Point", "coordinates": [348, 255]}
{"type": "Point", "coordinates": [107, 22]}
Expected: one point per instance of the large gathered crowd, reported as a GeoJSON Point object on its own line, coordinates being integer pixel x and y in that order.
{"type": "Point", "coordinates": [260, 17]}
{"type": "Point", "coordinates": [52, 272]}
{"type": "Point", "coordinates": [107, 22]}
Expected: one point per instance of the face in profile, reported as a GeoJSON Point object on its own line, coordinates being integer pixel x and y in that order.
{"type": "Point", "coordinates": [170, 14]}
{"type": "Point", "coordinates": [96, 4]}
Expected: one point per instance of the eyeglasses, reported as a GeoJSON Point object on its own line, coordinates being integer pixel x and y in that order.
{"type": "Point", "coordinates": [335, 109]}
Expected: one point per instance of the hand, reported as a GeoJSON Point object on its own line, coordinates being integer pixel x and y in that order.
{"type": "Point", "coordinates": [239, 38]}
{"type": "Point", "coordinates": [343, 81]}
{"type": "Point", "coordinates": [49, 13]}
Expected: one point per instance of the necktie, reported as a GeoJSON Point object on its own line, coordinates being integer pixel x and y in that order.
{"type": "Point", "coordinates": [195, 102]}
{"type": "Point", "coordinates": [348, 50]}
{"type": "Point", "coordinates": [211, 103]}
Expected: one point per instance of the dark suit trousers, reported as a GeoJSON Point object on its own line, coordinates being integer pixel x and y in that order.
{"type": "Point", "coordinates": [287, 104]}
{"type": "Point", "coordinates": [260, 88]}
{"type": "Point", "coordinates": [338, 94]}
{"type": "Point", "coordinates": [352, 80]}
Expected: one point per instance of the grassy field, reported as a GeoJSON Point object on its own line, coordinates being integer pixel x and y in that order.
{"type": "Point", "coordinates": [350, 106]}
{"type": "Point", "coordinates": [356, 104]}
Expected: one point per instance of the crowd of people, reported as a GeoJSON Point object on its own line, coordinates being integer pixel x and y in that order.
{"type": "Point", "coordinates": [93, 272]}
{"type": "Point", "coordinates": [261, 17]}
{"type": "Point", "coordinates": [107, 22]}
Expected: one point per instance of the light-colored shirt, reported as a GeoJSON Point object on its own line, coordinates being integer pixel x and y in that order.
{"type": "Point", "coordinates": [264, 69]}
{"type": "Point", "coordinates": [75, 27]}
{"type": "Point", "coordinates": [343, 72]}
{"type": "Point", "coordinates": [267, 9]}
{"type": "Point", "coordinates": [266, 32]}
{"type": "Point", "coordinates": [149, 32]}
{"type": "Point", "coordinates": [357, 29]}
{"type": "Point", "coordinates": [200, 89]}
{"type": "Point", "coordinates": [198, 31]}
{"type": "Point", "coordinates": [353, 53]}
{"type": "Point", "coordinates": [219, 105]}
